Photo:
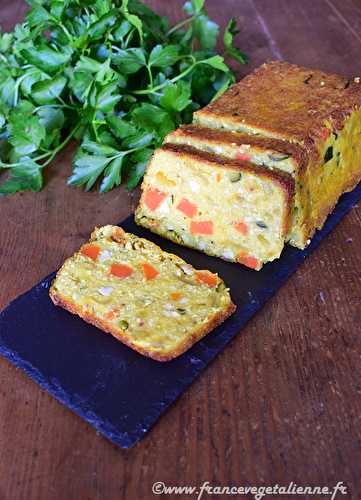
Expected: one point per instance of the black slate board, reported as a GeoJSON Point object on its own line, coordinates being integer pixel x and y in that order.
{"type": "Point", "coordinates": [118, 391]}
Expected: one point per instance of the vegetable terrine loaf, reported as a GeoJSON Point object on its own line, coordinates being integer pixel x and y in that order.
{"type": "Point", "coordinates": [272, 153]}
{"type": "Point", "coordinates": [150, 300]}
{"type": "Point", "coordinates": [319, 111]}
{"type": "Point", "coordinates": [226, 208]}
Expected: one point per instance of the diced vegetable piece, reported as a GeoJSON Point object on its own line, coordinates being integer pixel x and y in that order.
{"type": "Point", "coordinates": [121, 270]}
{"type": "Point", "coordinates": [278, 157]}
{"type": "Point", "coordinates": [149, 271]}
{"type": "Point", "coordinates": [91, 251]}
{"type": "Point", "coordinates": [105, 291]}
{"type": "Point", "coordinates": [189, 209]}
{"type": "Point", "coordinates": [113, 313]}
{"type": "Point", "coordinates": [163, 179]}
{"type": "Point", "coordinates": [207, 278]}
{"type": "Point", "coordinates": [248, 260]}
{"type": "Point", "coordinates": [241, 227]}
{"type": "Point", "coordinates": [243, 156]}
{"type": "Point", "coordinates": [325, 133]}
{"type": "Point", "coordinates": [176, 296]}
{"type": "Point", "coordinates": [118, 234]}
{"type": "Point", "coordinates": [218, 177]}
{"type": "Point", "coordinates": [153, 198]}
{"type": "Point", "coordinates": [202, 227]}
{"type": "Point", "coordinates": [235, 176]}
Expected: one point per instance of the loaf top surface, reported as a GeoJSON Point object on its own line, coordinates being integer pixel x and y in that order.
{"type": "Point", "coordinates": [285, 101]}
{"type": "Point", "coordinates": [151, 300]}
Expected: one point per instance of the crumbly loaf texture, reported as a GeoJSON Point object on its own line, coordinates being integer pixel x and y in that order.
{"type": "Point", "coordinates": [319, 111]}
{"type": "Point", "coordinates": [226, 208]}
{"type": "Point", "coordinates": [150, 300]}
{"type": "Point", "coordinates": [271, 153]}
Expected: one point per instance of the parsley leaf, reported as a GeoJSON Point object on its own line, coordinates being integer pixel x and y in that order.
{"type": "Point", "coordinates": [130, 60]}
{"type": "Point", "coordinates": [45, 58]}
{"type": "Point", "coordinates": [216, 62]}
{"type": "Point", "coordinates": [27, 176]}
{"type": "Point", "coordinates": [139, 163]}
{"type": "Point", "coordinates": [87, 169]}
{"type": "Point", "coordinates": [47, 91]}
{"type": "Point", "coordinates": [100, 26]}
{"type": "Point", "coordinates": [163, 57]}
{"type": "Point", "coordinates": [120, 127]}
{"type": "Point", "coordinates": [25, 135]}
{"type": "Point", "coordinates": [153, 118]}
{"type": "Point", "coordinates": [206, 31]}
{"type": "Point", "coordinates": [198, 5]}
{"type": "Point", "coordinates": [229, 33]}
{"type": "Point", "coordinates": [176, 96]}
{"type": "Point", "coordinates": [112, 174]}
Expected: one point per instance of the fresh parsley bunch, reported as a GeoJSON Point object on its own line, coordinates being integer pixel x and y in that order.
{"type": "Point", "coordinates": [110, 73]}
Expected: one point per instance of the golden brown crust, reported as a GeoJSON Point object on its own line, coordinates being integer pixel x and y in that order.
{"type": "Point", "coordinates": [258, 142]}
{"type": "Point", "coordinates": [325, 212]}
{"type": "Point", "coordinates": [309, 227]}
{"type": "Point", "coordinates": [216, 320]}
{"type": "Point", "coordinates": [286, 101]}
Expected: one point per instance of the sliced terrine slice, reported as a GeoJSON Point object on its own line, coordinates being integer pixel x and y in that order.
{"type": "Point", "coordinates": [226, 208]}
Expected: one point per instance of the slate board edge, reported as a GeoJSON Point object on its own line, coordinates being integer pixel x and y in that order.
{"type": "Point", "coordinates": [346, 203]}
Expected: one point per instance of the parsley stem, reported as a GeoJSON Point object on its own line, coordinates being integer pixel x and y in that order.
{"type": "Point", "coordinates": [53, 106]}
{"type": "Point", "coordinates": [150, 75]}
{"type": "Point", "coordinates": [17, 85]}
{"type": "Point", "coordinates": [181, 24]}
{"type": "Point", "coordinates": [61, 146]}
{"type": "Point", "coordinates": [129, 36]}
{"type": "Point", "coordinates": [61, 100]}
{"type": "Point", "coordinates": [19, 163]}
{"type": "Point", "coordinates": [61, 25]}
{"type": "Point", "coordinates": [164, 84]}
{"type": "Point", "coordinates": [123, 153]}
{"type": "Point", "coordinates": [49, 154]}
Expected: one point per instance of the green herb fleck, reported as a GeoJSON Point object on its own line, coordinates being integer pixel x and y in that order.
{"type": "Point", "coordinates": [123, 324]}
{"type": "Point", "coordinates": [338, 158]}
{"type": "Point", "coordinates": [329, 154]}
{"type": "Point", "coordinates": [278, 157]}
{"type": "Point", "coordinates": [235, 176]}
